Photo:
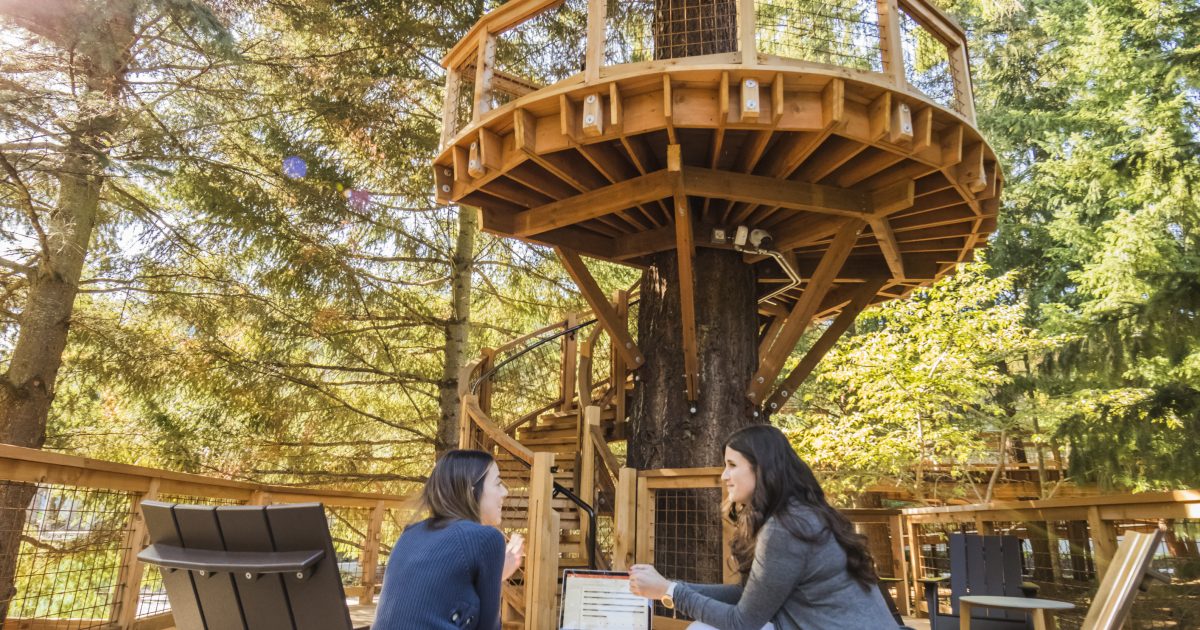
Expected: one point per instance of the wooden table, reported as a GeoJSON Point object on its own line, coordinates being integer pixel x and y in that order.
{"type": "Point", "coordinates": [1041, 609]}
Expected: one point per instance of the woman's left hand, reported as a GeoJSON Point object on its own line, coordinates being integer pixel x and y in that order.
{"type": "Point", "coordinates": [645, 581]}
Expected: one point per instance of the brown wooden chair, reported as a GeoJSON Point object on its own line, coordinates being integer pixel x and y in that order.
{"type": "Point", "coordinates": [1128, 573]}
{"type": "Point", "coordinates": [247, 567]}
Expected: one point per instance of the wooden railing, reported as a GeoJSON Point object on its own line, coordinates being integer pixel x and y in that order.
{"type": "Point", "coordinates": [79, 537]}
{"type": "Point", "coordinates": [526, 45]}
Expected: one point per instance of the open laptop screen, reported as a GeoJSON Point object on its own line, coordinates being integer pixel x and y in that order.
{"type": "Point", "coordinates": [600, 600]}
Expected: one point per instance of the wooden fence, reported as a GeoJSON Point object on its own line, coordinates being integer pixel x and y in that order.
{"type": "Point", "coordinates": [80, 534]}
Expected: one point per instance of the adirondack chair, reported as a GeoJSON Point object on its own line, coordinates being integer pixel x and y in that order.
{"type": "Point", "coordinates": [981, 565]}
{"type": "Point", "coordinates": [247, 567]}
{"type": "Point", "coordinates": [1128, 573]}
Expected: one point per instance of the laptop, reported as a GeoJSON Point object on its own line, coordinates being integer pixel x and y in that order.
{"type": "Point", "coordinates": [600, 600]}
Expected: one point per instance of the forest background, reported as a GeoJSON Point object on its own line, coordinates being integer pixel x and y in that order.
{"type": "Point", "coordinates": [219, 251]}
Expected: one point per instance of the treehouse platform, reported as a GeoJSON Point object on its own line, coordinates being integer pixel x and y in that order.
{"type": "Point", "coordinates": [833, 143]}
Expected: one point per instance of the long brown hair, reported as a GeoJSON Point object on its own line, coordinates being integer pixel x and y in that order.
{"type": "Point", "coordinates": [780, 479]}
{"type": "Point", "coordinates": [455, 485]}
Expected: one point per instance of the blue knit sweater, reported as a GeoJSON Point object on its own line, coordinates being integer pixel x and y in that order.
{"type": "Point", "coordinates": [439, 579]}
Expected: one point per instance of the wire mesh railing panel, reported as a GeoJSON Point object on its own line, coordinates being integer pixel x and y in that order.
{"type": "Point", "coordinates": [927, 63]}
{"type": "Point", "coordinates": [61, 552]}
{"type": "Point", "coordinates": [394, 522]}
{"type": "Point", "coordinates": [527, 384]}
{"type": "Point", "coordinates": [464, 100]}
{"type": "Point", "coordinates": [838, 32]}
{"type": "Point", "coordinates": [644, 30]}
{"type": "Point", "coordinates": [540, 51]}
{"type": "Point", "coordinates": [348, 528]}
{"type": "Point", "coordinates": [687, 536]}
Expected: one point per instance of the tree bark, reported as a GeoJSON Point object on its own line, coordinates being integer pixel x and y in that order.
{"type": "Point", "coordinates": [458, 329]}
{"type": "Point", "coordinates": [664, 431]}
{"type": "Point", "coordinates": [99, 39]}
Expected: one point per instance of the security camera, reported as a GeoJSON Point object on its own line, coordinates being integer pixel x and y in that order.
{"type": "Point", "coordinates": [760, 238]}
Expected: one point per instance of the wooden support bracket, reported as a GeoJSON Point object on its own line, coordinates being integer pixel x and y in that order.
{"type": "Point", "coordinates": [603, 310]}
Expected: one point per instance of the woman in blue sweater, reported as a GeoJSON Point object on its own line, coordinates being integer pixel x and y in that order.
{"type": "Point", "coordinates": [445, 572]}
{"type": "Point", "coordinates": [801, 562]}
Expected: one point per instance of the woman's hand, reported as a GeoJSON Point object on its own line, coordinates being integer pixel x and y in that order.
{"type": "Point", "coordinates": [645, 581]}
{"type": "Point", "coordinates": [513, 554]}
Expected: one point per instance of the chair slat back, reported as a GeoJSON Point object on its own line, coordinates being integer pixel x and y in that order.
{"type": "Point", "coordinates": [185, 605]}
{"type": "Point", "coordinates": [218, 596]}
{"type": "Point", "coordinates": [1114, 599]}
{"type": "Point", "coordinates": [985, 565]}
{"type": "Point", "coordinates": [296, 528]}
{"type": "Point", "coordinates": [312, 599]}
{"type": "Point", "coordinates": [264, 598]}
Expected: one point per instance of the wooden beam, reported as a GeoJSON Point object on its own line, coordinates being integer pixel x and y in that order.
{"type": "Point", "coordinates": [605, 314]}
{"type": "Point", "coordinates": [594, 57]}
{"type": "Point", "coordinates": [592, 204]}
{"type": "Point", "coordinates": [888, 245]}
{"type": "Point", "coordinates": [686, 251]}
{"type": "Point", "coordinates": [761, 190]}
{"type": "Point", "coordinates": [862, 298]}
{"type": "Point", "coordinates": [818, 285]}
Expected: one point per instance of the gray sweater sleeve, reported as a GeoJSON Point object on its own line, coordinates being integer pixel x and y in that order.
{"type": "Point", "coordinates": [779, 561]}
{"type": "Point", "coordinates": [728, 593]}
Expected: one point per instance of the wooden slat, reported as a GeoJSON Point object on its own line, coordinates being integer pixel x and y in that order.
{"type": "Point", "coordinates": [818, 285]}
{"type": "Point", "coordinates": [622, 341]}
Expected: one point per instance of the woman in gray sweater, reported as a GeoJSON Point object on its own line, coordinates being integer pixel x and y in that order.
{"type": "Point", "coordinates": [802, 564]}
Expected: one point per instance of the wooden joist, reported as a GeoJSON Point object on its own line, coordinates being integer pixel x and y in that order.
{"type": "Point", "coordinates": [592, 204]}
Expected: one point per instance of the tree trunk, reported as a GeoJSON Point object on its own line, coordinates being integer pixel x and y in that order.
{"type": "Point", "coordinates": [100, 40]}
{"type": "Point", "coordinates": [458, 329]}
{"type": "Point", "coordinates": [664, 431]}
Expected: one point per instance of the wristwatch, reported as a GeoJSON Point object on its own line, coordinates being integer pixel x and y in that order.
{"type": "Point", "coordinates": [668, 600]}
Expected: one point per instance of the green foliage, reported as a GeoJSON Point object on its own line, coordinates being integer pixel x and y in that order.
{"type": "Point", "coordinates": [919, 380]}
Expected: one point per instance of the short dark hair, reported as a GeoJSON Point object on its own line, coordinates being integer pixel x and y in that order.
{"type": "Point", "coordinates": [455, 485]}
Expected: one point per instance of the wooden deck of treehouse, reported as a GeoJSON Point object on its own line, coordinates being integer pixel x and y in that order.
{"type": "Point", "coordinates": [840, 136]}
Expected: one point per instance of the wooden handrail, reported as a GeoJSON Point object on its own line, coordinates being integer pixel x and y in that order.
{"type": "Point", "coordinates": [498, 20]}
{"type": "Point", "coordinates": [497, 435]}
{"type": "Point", "coordinates": [36, 466]}
{"type": "Point", "coordinates": [533, 415]}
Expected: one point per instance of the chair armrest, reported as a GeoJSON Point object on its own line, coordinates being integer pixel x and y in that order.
{"type": "Point", "coordinates": [1029, 589]}
{"type": "Point", "coordinates": [173, 557]}
{"type": "Point", "coordinates": [1153, 574]}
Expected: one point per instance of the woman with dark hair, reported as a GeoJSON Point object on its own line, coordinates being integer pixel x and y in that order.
{"type": "Point", "coordinates": [802, 565]}
{"type": "Point", "coordinates": [446, 571]}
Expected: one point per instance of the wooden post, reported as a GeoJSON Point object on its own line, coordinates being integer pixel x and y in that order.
{"type": "Point", "coordinates": [595, 40]}
{"type": "Point", "coordinates": [369, 560]}
{"type": "Point", "coordinates": [485, 387]}
{"type": "Point", "coordinates": [587, 463]}
{"type": "Point", "coordinates": [890, 42]}
{"type": "Point", "coordinates": [645, 523]}
{"type": "Point", "coordinates": [259, 497]}
{"type": "Point", "coordinates": [465, 424]}
{"type": "Point", "coordinates": [541, 563]}
{"type": "Point", "coordinates": [485, 62]}
{"type": "Point", "coordinates": [746, 25]}
{"type": "Point", "coordinates": [984, 528]}
{"type": "Point", "coordinates": [899, 564]}
{"type": "Point", "coordinates": [625, 520]}
{"type": "Point", "coordinates": [129, 577]}
{"type": "Point", "coordinates": [570, 363]}
{"type": "Point", "coordinates": [617, 372]}
{"type": "Point", "coordinates": [1104, 539]}
{"type": "Point", "coordinates": [450, 106]}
